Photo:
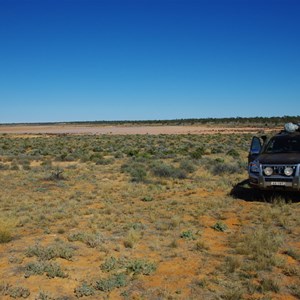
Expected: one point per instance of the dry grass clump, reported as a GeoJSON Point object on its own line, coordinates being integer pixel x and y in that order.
{"type": "Point", "coordinates": [133, 236]}
{"type": "Point", "coordinates": [7, 227]}
{"type": "Point", "coordinates": [261, 247]}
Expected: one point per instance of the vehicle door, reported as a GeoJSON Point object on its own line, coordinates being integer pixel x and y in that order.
{"type": "Point", "coordinates": [255, 149]}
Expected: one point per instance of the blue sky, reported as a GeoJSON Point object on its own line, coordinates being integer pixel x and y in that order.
{"type": "Point", "coordinates": [85, 60]}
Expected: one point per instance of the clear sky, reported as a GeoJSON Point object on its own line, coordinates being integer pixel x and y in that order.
{"type": "Point", "coordinates": [85, 60]}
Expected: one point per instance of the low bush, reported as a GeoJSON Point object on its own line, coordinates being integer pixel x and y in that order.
{"type": "Point", "coordinates": [39, 268]}
{"type": "Point", "coordinates": [112, 282]}
{"type": "Point", "coordinates": [187, 235]}
{"type": "Point", "coordinates": [226, 168]}
{"type": "Point", "coordinates": [84, 290]}
{"type": "Point", "coordinates": [188, 166]}
{"type": "Point", "coordinates": [220, 226]}
{"type": "Point", "coordinates": [197, 154]}
{"type": "Point", "coordinates": [137, 171]}
{"type": "Point", "coordinates": [168, 171]}
{"type": "Point", "coordinates": [140, 266]}
{"type": "Point", "coordinates": [53, 251]}
{"type": "Point", "coordinates": [90, 239]}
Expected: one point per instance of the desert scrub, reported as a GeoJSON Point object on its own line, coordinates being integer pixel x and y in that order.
{"type": "Point", "coordinates": [133, 267]}
{"type": "Point", "coordinates": [90, 239]}
{"type": "Point", "coordinates": [268, 284]}
{"type": "Point", "coordinates": [147, 199]}
{"type": "Point", "coordinates": [3, 167]}
{"type": "Point", "coordinates": [201, 246]}
{"type": "Point", "coordinates": [84, 290]}
{"type": "Point", "coordinates": [137, 171]}
{"type": "Point", "coordinates": [140, 266]}
{"type": "Point", "coordinates": [56, 174]}
{"type": "Point", "coordinates": [226, 168]}
{"type": "Point", "coordinates": [261, 246]}
{"type": "Point", "coordinates": [57, 250]}
{"type": "Point", "coordinates": [197, 153]}
{"type": "Point", "coordinates": [295, 254]}
{"type": "Point", "coordinates": [295, 290]}
{"type": "Point", "coordinates": [43, 295]}
{"type": "Point", "coordinates": [168, 171]}
{"type": "Point", "coordinates": [112, 282]}
{"type": "Point", "coordinates": [188, 235]}
{"type": "Point", "coordinates": [39, 268]}
{"type": "Point", "coordinates": [7, 227]}
{"type": "Point", "coordinates": [220, 226]}
{"type": "Point", "coordinates": [105, 161]}
{"type": "Point", "coordinates": [231, 264]}
{"type": "Point", "coordinates": [189, 166]}
{"type": "Point", "coordinates": [18, 292]}
{"type": "Point", "coordinates": [133, 236]}
{"type": "Point", "coordinates": [112, 263]}
{"type": "Point", "coordinates": [233, 153]}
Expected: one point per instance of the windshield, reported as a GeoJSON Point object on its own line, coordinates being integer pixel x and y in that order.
{"type": "Point", "coordinates": [283, 144]}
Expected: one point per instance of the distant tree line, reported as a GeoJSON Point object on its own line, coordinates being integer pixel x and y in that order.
{"type": "Point", "coordinates": [253, 121]}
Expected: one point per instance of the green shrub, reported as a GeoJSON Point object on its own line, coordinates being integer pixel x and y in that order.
{"type": "Point", "coordinates": [90, 239]}
{"type": "Point", "coordinates": [233, 153]}
{"type": "Point", "coordinates": [220, 226]}
{"type": "Point", "coordinates": [110, 264]}
{"type": "Point", "coordinates": [137, 171]}
{"type": "Point", "coordinates": [140, 266]}
{"type": "Point", "coordinates": [226, 168]}
{"type": "Point", "coordinates": [168, 171]}
{"type": "Point", "coordinates": [18, 292]}
{"type": "Point", "coordinates": [84, 290]}
{"type": "Point", "coordinates": [188, 166]}
{"type": "Point", "coordinates": [104, 161]}
{"type": "Point", "coordinates": [187, 235]}
{"type": "Point", "coordinates": [50, 252]}
{"type": "Point", "coordinates": [39, 268]}
{"type": "Point", "coordinates": [147, 199]}
{"type": "Point", "coordinates": [112, 282]}
{"type": "Point", "coordinates": [45, 296]}
{"type": "Point", "coordinates": [197, 154]}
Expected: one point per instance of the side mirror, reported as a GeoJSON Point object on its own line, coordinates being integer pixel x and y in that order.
{"type": "Point", "coordinates": [255, 149]}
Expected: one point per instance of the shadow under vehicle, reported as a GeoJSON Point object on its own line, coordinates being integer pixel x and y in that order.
{"type": "Point", "coordinates": [244, 191]}
{"type": "Point", "coordinates": [274, 164]}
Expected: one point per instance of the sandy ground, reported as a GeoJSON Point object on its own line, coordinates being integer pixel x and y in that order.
{"type": "Point", "coordinates": [123, 130]}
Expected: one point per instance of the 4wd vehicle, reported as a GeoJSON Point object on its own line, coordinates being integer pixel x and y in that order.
{"type": "Point", "coordinates": [275, 162]}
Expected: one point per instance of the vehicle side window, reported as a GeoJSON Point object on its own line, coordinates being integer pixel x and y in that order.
{"type": "Point", "coordinates": [256, 145]}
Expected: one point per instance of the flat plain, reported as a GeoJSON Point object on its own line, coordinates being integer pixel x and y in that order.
{"type": "Point", "coordinates": [158, 213]}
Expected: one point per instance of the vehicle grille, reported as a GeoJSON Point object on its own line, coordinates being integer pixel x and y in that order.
{"type": "Point", "coordinates": [269, 179]}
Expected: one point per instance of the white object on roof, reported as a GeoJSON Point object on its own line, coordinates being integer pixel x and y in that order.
{"type": "Point", "coordinates": [291, 127]}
